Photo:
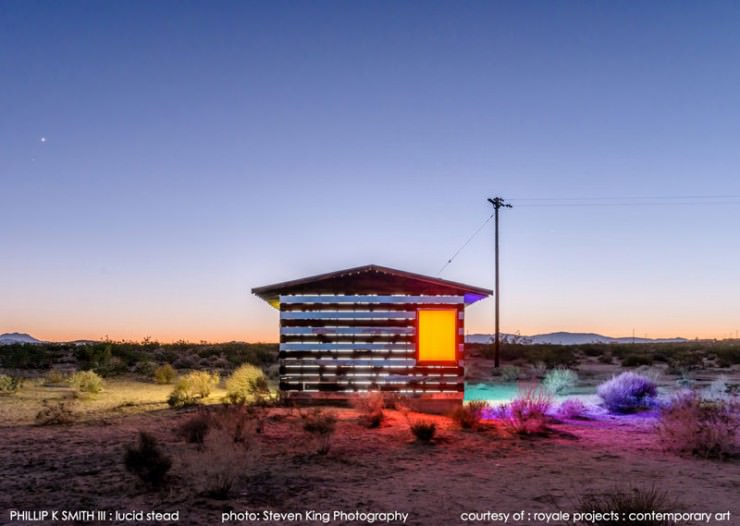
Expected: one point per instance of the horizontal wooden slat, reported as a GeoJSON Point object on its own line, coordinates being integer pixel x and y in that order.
{"type": "Point", "coordinates": [390, 362]}
{"type": "Point", "coordinates": [293, 369]}
{"type": "Point", "coordinates": [354, 331]}
{"type": "Point", "coordinates": [371, 379]}
{"type": "Point", "coordinates": [371, 299]}
{"type": "Point", "coordinates": [351, 386]}
{"type": "Point", "coordinates": [335, 315]}
{"type": "Point", "coordinates": [347, 354]}
{"type": "Point", "coordinates": [322, 338]}
{"type": "Point", "coordinates": [372, 307]}
{"type": "Point", "coordinates": [347, 346]}
{"type": "Point", "coordinates": [365, 322]}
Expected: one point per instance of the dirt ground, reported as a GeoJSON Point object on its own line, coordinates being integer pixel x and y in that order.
{"type": "Point", "coordinates": [80, 467]}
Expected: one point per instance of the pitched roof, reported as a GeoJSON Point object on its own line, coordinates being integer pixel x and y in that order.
{"type": "Point", "coordinates": [370, 279]}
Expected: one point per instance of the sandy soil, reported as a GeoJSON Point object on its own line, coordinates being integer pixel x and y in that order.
{"type": "Point", "coordinates": [80, 466]}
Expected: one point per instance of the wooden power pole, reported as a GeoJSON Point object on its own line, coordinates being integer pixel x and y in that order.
{"type": "Point", "coordinates": [497, 203]}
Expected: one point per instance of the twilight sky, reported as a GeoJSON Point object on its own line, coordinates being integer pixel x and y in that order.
{"type": "Point", "coordinates": [158, 159]}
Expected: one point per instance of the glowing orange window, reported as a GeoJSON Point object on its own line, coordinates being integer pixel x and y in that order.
{"type": "Point", "coordinates": [436, 335]}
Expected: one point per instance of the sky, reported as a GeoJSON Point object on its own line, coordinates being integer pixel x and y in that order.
{"type": "Point", "coordinates": [159, 159]}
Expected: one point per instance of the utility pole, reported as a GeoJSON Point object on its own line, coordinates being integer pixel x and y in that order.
{"type": "Point", "coordinates": [497, 203]}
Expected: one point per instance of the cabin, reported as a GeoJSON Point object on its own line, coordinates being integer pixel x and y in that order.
{"type": "Point", "coordinates": [372, 328]}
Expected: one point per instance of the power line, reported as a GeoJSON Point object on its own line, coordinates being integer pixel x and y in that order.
{"type": "Point", "coordinates": [626, 197]}
{"type": "Point", "coordinates": [651, 200]}
{"type": "Point", "coordinates": [465, 244]}
{"type": "Point", "coordinates": [652, 203]}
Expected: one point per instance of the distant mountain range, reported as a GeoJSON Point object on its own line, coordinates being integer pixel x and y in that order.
{"type": "Point", "coordinates": [569, 338]}
{"type": "Point", "coordinates": [557, 338]}
{"type": "Point", "coordinates": [17, 337]}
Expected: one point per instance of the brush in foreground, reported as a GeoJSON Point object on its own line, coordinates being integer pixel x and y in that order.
{"type": "Point", "coordinates": [705, 428]}
{"type": "Point", "coordinates": [322, 426]}
{"type": "Point", "coordinates": [370, 407]}
{"type": "Point", "coordinates": [527, 415]}
{"type": "Point", "coordinates": [423, 431]}
{"type": "Point", "coordinates": [147, 461]}
{"type": "Point", "coordinates": [56, 413]}
{"type": "Point", "coordinates": [625, 501]}
{"type": "Point", "coordinates": [468, 416]}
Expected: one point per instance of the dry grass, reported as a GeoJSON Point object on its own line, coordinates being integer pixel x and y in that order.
{"type": "Point", "coordinates": [705, 428]}
{"type": "Point", "coordinates": [120, 395]}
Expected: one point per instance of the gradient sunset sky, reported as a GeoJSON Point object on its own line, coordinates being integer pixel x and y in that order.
{"type": "Point", "coordinates": [158, 159]}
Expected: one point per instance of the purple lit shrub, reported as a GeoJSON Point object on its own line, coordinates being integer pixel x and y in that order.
{"type": "Point", "coordinates": [573, 409]}
{"type": "Point", "coordinates": [627, 393]}
{"type": "Point", "coordinates": [527, 415]}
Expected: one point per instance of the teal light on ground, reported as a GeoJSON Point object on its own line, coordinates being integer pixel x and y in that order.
{"type": "Point", "coordinates": [491, 393]}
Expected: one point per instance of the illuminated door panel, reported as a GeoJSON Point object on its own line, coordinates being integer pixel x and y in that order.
{"type": "Point", "coordinates": [436, 335]}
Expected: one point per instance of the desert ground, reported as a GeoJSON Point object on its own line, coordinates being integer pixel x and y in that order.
{"type": "Point", "coordinates": [79, 466]}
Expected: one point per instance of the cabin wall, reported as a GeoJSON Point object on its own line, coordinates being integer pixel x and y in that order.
{"type": "Point", "coordinates": [345, 344]}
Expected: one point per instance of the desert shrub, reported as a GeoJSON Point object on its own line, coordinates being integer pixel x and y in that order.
{"type": "Point", "coordinates": [728, 355]}
{"type": "Point", "coordinates": [393, 400]}
{"type": "Point", "coordinates": [717, 390]}
{"type": "Point", "coordinates": [94, 356]}
{"type": "Point", "coordinates": [10, 384]}
{"type": "Point", "coordinates": [147, 461]}
{"type": "Point", "coordinates": [186, 360]}
{"type": "Point", "coordinates": [622, 502]}
{"type": "Point", "coordinates": [557, 355]}
{"type": "Point", "coordinates": [636, 360]}
{"type": "Point", "coordinates": [510, 373]}
{"type": "Point", "coordinates": [592, 349]}
{"type": "Point", "coordinates": [685, 360]}
{"type": "Point", "coordinates": [423, 431]}
{"type": "Point", "coordinates": [539, 369]}
{"type": "Point", "coordinates": [195, 428]}
{"type": "Point", "coordinates": [705, 428]}
{"type": "Point", "coordinates": [27, 355]}
{"type": "Point", "coordinates": [572, 409]}
{"type": "Point", "coordinates": [370, 407]}
{"type": "Point", "coordinates": [239, 421]}
{"type": "Point", "coordinates": [247, 384]}
{"type": "Point", "coordinates": [605, 358]}
{"type": "Point", "coordinates": [468, 416]}
{"type": "Point", "coordinates": [214, 468]}
{"type": "Point", "coordinates": [55, 413]}
{"type": "Point", "coordinates": [627, 393]}
{"type": "Point", "coordinates": [165, 374]}
{"type": "Point", "coordinates": [321, 425]}
{"type": "Point", "coordinates": [86, 382]}
{"type": "Point", "coordinates": [560, 381]}
{"type": "Point", "coordinates": [685, 378]}
{"type": "Point", "coordinates": [145, 368]}
{"type": "Point", "coordinates": [527, 414]}
{"type": "Point", "coordinates": [192, 388]}
{"type": "Point", "coordinates": [55, 377]}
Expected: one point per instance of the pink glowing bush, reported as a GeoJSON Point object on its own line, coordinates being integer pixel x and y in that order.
{"type": "Point", "coordinates": [627, 393]}
{"type": "Point", "coordinates": [527, 415]}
